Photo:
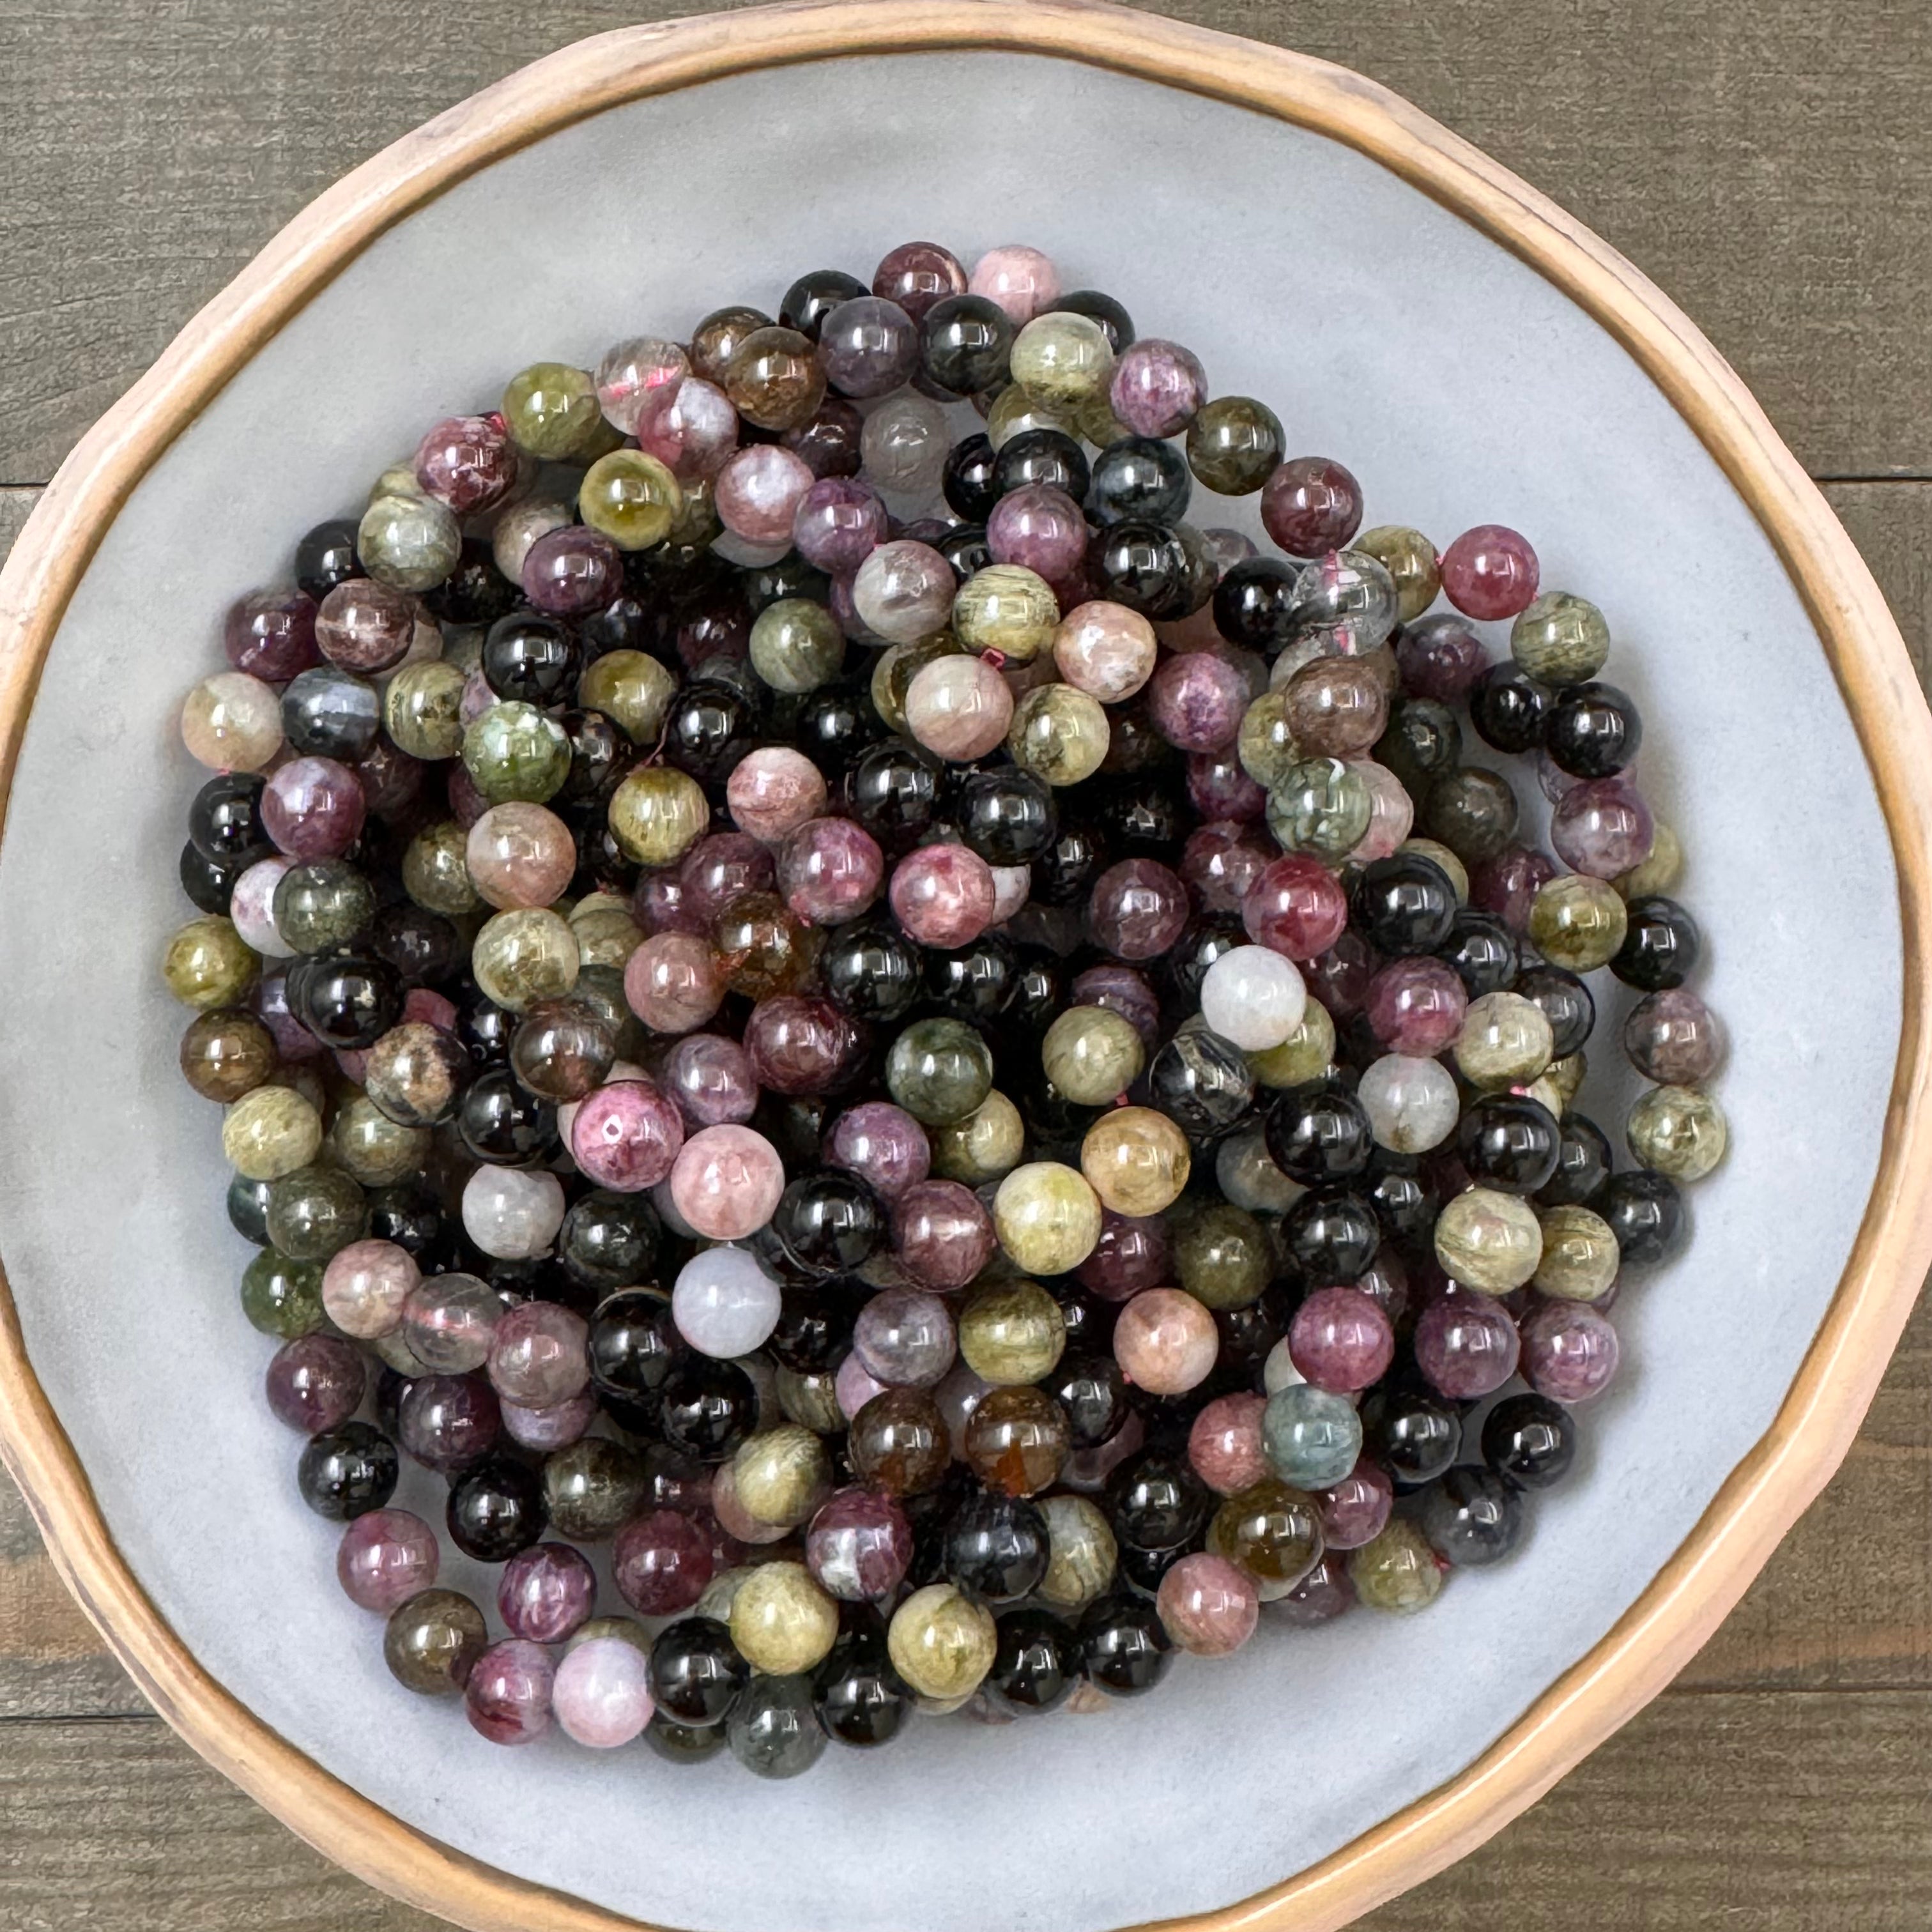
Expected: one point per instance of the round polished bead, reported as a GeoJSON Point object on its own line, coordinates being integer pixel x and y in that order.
{"type": "Point", "coordinates": [1678, 1132]}
{"type": "Point", "coordinates": [1166, 1341]}
{"type": "Point", "coordinates": [1466, 1345]}
{"type": "Point", "coordinates": [1311, 506]}
{"type": "Point", "coordinates": [1254, 997]}
{"type": "Point", "coordinates": [1136, 1160]}
{"type": "Point", "coordinates": [1570, 1352]}
{"type": "Point", "coordinates": [1490, 572]}
{"type": "Point", "coordinates": [726, 1181]}
{"type": "Point", "coordinates": [1341, 1340]}
{"type": "Point", "coordinates": [904, 592]}
{"type": "Point", "coordinates": [1488, 1241]}
{"type": "Point", "coordinates": [1578, 922]}
{"type": "Point", "coordinates": [1398, 1572]}
{"type": "Point", "coordinates": [1673, 1038]}
{"type": "Point", "coordinates": [724, 1302]}
{"type": "Point", "coordinates": [1207, 1605]}
{"type": "Point", "coordinates": [1310, 1436]}
{"type": "Point", "coordinates": [545, 1593]}
{"type": "Point", "coordinates": [1047, 1216]}
{"type": "Point", "coordinates": [860, 1546]}
{"type": "Point", "coordinates": [386, 1558]}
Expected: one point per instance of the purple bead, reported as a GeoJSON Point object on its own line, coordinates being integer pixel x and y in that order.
{"type": "Point", "coordinates": [545, 1593]}
{"type": "Point", "coordinates": [829, 871]}
{"type": "Point", "coordinates": [313, 809]}
{"type": "Point", "coordinates": [572, 571]}
{"type": "Point", "coordinates": [539, 1354]}
{"type": "Point", "coordinates": [1341, 1340]}
{"type": "Point", "coordinates": [904, 1338]}
{"type": "Point", "coordinates": [1415, 1006]}
{"type": "Point", "coordinates": [1311, 506]}
{"type": "Point", "coordinates": [883, 1144]}
{"type": "Point", "coordinates": [468, 463]}
{"type": "Point", "coordinates": [831, 443]}
{"type": "Point", "coordinates": [839, 522]}
{"type": "Point", "coordinates": [1507, 884]}
{"type": "Point", "coordinates": [942, 894]}
{"type": "Point", "coordinates": [1673, 1038]}
{"type": "Point", "coordinates": [916, 275]}
{"type": "Point", "coordinates": [626, 1134]}
{"type": "Point", "coordinates": [508, 1694]}
{"type": "Point", "coordinates": [1133, 1253]}
{"type": "Point", "coordinates": [1601, 827]}
{"type": "Point", "coordinates": [554, 1426]}
{"type": "Point", "coordinates": [711, 1079]}
{"type": "Point", "coordinates": [293, 1041]}
{"type": "Point", "coordinates": [1039, 527]}
{"type": "Point", "coordinates": [661, 1563]}
{"type": "Point", "coordinates": [799, 1044]}
{"type": "Point", "coordinates": [1123, 990]}
{"type": "Point", "coordinates": [854, 1386]}
{"type": "Point", "coordinates": [869, 346]}
{"type": "Point", "coordinates": [1320, 1597]}
{"type": "Point", "coordinates": [1466, 1344]}
{"type": "Point", "coordinates": [1217, 788]}
{"type": "Point", "coordinates": [1357, 1510]}
{"type": "Point", "coordinates": [1158, 387]}
{"type": "Point", "coordinates": [1196, 700]}
{"type": "Point", "coordinates": [316, 1382]}
{"type": "Point", "coordinates": [721, 867]}
{"type": "Point", "coordinates": [390, 779]}
{"type": "Point", "coordinates": [1138, 910]}
{"type": "Point", "coordinates": [1340, 977]}
{"type": "Point", "coordinates": [1221, 860]}
{"type": "Point", "coordinates": [860, 1546]}
{"type": "Point", "coordinates": [384, 1558]}
{"type": "Point", "coordinates": [466, 804]}
{"type": "Point", "coordinates": [942, 1235]}
{"type": "Point", "coordinates": [1569, 1352]}
{"type": "Point", "coordinates": [271, 634]}
{"type": "Point", "coordinates": [661, 903]}
{"type": "Point", "coordinates": [1440, 657]}
{"type": "Point", "coordinates": [448, 1422]}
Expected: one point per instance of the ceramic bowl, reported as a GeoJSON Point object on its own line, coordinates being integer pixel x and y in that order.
{"type": "Point", "coordinates": [1404, 304]}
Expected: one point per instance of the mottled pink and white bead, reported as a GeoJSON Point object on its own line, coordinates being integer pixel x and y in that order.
{"type": "Point", "coordinates": [1196, 701]}
{"type": "Point", "coordinates": [1207, 1605]}
{"type": "Point", "coordinates": [773, 791]}
{"type": "Point", "coordinates": [364, 1286]}
{"type": "Point", "coordinates": [1158, 387]}
{"type": "Point", "coordinates": [626, 1135]}
{"type": "Point", "coordinates": [468, 463]}
{"type": "Point", "coordinates": [829, 871]}
{"type": "Point", "coordinates": [696, 434]}
{"type": "Point", "coordinates": [1022, 280]}
{"type": "Point", "coordinates": [601, 1693]}
{"type": "Point", "coordinates": [726, 1182]}
{"type": "Point", "coordinates": [251, 905]}
{"type": "Point", "coordinates": [942, 894]}
{"type": "Point", "coordinates": [1105, 650]}
{"type": "Point", "coordinates": [1602, 827]}
{"type": "Point", "coordinates": [545, 1593]}
{"type": "Point", "coordinates": [638, 381]}
{"type": "Point", "coordinates": [1166, 1342]}
{"type": "Point", "coordinates": [958, 707]}
{"type": "Point", "coordinates": [759, 491]}
{"type": "Point", "coordinates": [384, 1558]}
{"type": "Point", "coordinates": [1224, 1444]}
{"type": "Point", "coordinates": [520, 854]}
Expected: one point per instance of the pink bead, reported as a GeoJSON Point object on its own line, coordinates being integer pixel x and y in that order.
{"type": "Point", "coordinates": [829, 871]}
{"type": "Point", "coordinates": [1297, 907]}
{"type": "Point", "coordinates": [1602, 827]}
{"type": "Point", "coordinates": [1013, 886]}
{"type": "Point", "coordinates": [1569, 1352]}
{"type": "Point", "coordinates": [1440, 658]}
{"type": "Point", "coordinates": [1415, 1006]}
{"type": "Point", "coordinates": [1207, 1605]}
{"type": "Point", "coordinates": [313, 809]}
{"type": "Point", "coordinates": [799, 1043]}
{"type": "Point", "coordinates": [1022, 280]}
{"type": "Point", "coordinates": [759, 491]}
{"type": "Point", "coordinates": [364, 1286]}
{"type": "Point", "coordinates": [661, 1563]}
{"type": "Point", "coordinates": [271, 634]}
{"type": "Point", "coordinates": [942, 894]}
{"type": "Point", "coordinates": [860, 1546]}
{"type": "Point", "coordinates": [883, 1144]}
{"type": "Point", "coordinates": [773, 791]}
{"type": "Point", "coordinates": [626, 1135]}
{"type": "Point", "coordinates": [1166, 1342]}
{"type": "Point", "coordinates": [1507, 885]}
{"type": "Point", "coordinates": [672, 982]}
{"type": "Point", "coordinates": [384, 1558]}
{"type": "Point", "coordinates": [839, 522]}
{"type": "Point", "coordinates": [520, 854]}
{"type": "Point", "coordinates": [959, 708]}
{"type": "Point", "coordinates": [539, 1354]}
{"type": "Point", "coordinates": [509, 1692]}
{"type": "Point", "coordinates": [1311, 506]}
{"type": "Point", "coordinates": [1224, 1444]}
{"type": "Point", "coordinates": [602, 1695]}
{"type": "Point", "coordinates": [1490, 572]}
{"type": "Point", "coordinates": [1138, 909]}
{"type": "Point", "coordinates": [364, 626]}
{"type": "Point", "coordinates": [545, 1593]}
{"type": "Point", "coordinates": [572, 571]}
{"type": "Point", "coordinates": [1040, 528]}
{"type": "Point", "coordinates": [1357, 1510]}
{"type": "Point", "coordinates": [1466, 1344]}
{"type": "Point", "coordinates": [1104, 649]}
{"type": "Point", "coordinates": [468, 463]}
{"type": "Point", "coordinates": [726, 1182]}
{"type": "Point", "coordinates": [555, 1426]}
{"type": "Point", "coordinates": [942, 1235]}
{"type": "Point", "coordinates": [711, 1079]}
{"type": "Point", "coordinates": [316, 1382]}
{"type": "Point", "coordinates": [854, 1387]}
{"type": "Point", "coordinates": [1158, 387]}
{"type": "Point", "coordinates": [1133, 1253]}
{"type": "Point", "coordinates": [1221, 861]}
{"type": "Point", "coordinates": [660, 904]}
{"type": "Point", "coordinates": [1196, 700]}
{"type": "Point", "coordinates": [1341, 1340]}
{"type": "Point", "coordinates": [916, 275]}
{"type": "Point", "coordinates": [696, 434]}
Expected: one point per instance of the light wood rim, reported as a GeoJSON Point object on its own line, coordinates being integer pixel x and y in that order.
{"type": "Point", "coordinates": [1820, 1416]}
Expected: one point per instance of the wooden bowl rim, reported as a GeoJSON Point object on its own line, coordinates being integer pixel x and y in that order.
{"type": "Point", "coordinates": [1815, 1424]}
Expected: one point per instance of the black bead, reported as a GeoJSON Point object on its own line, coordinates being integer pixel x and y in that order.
{"type": "Point", "coordinates": [710, 726]}
{"type": "Point", "coordinates": [815, 296]}
{"type": "Point", "coordinates": [859, 1697]}
{"type": "Point", "coordinates": [1184, 966]}
{"type": "Point", "coordinates": [633, 1347]}
{"type": "Point", "coordinates": [626, 623]}
{"type": "Point", "coordinates": [484, 1027]}
{"type": "Point", "coordinates": [1063, 874]}
{"type": "Point", "coordinates": [708, 1407]}
{"type": "Point", "coordinates": [1565, 1002]}
{"type": "Point", "coordinates": [1508, 708]}
{"type": "Point", "coordinates": [1006, 816]}
{"type": "Point", "coordinates": [1143, 1569]}
{"type": "Point", "coordinates": [326, 557]}
{"type": "Point", "coordinates": [328, 712]}
{"type": "Point", "coordinates": [1204, 1084]}
{"type": "Point", "coordinates": [410, 1217]}
{"type": "Point", "coordinates": [1140, 477]}
{"type": "Point", "coordinates": [828, 1223]}
{"type": "Point", "coordinates": [224, 822]}
{"type": "Point", "coordinates": [348, 1471]}
{"type": "Point", "coordinates": [964, 344]}
{"type": "Point", "coordinates": [977, 983]}
{"type": "Point", "coordinates": [1472, 1517]}
{"type": "Point", "coordinates": [422, 946]}
{"type": "Point", "coordinates": [248, 1209]}
{"type": "Point", "coordinates": [598, 752]}
{"type": "Point", "coordinates": [495, 1510]}
{"type": "Point", "coordinates": [1331, 1234]}
{"type": "Point", "coordinates": [1036, 1663]}
{"type": "Point", "coordinates": [1661, 946]}
{"type": "Point", "coordinates": [1509, 1141]}
{"type": "Point", "coordinates": [1049, 457]}
{"type": "Point", "coordinates": [814, 1329]}
{"type": "Point", "coordinates": [503, 1122]}
{"type": "Point", "coordinates": [1089, 1386]}
{"type": "Point", "coordinates": [1645, 1213]}
{"type": "Point", "coordinates": [610, 1241]}
{"type": "Point", "coordinates": [1254, 604]}
{"type": "Point", "coordinates": [965, 547]}
{"type": "Point", "coordinates": [834, 725]}
{"type": "Point", "coordinates": [893, 791]}
{"type": "Point", "coordinates": [683, 1744]}
{"type": "Point", "coordinates": [996, 1547]}
{"type": "Point", "coordinates": [1039, 994]}
{"type": "Point", "coordinates": [1112, 317]}
{"type": "Point", "coordinates": [1319, 1132]}
{"type": "Point", "coordinates": [1482, 950]}
{"type": "Point", "coordinates": [1155, 1500]}
{"type": "Point", "coordinates": [1124, 1649]}
{"type": "Point", "coordinates": [1144, 566]}
{"type": "Point", "coordinates": [1404, 1202]}
{"type": "Point", "coordinates": [1593, 730]}
{"type": "Point", "coordinates": [1139, 816]}
{"type": "Point", "coordinates": [1422, 741]}
{"type": "Point", "coordinates": [475, 592]}
{"type": "Point", "coordinates": [697, 1674]}
{"type": "Point", "coordinates": [831, 444]}
{"type": "Point", "coordinates": [1413, 1433]}
{"type": "Point", "coordinates": [350, 1001]}
{"type": "Point", "coordinates": [208, 882]}
{"type": "Point", "coordinates": [871, 972]}
{"type": "Point", "coordinates": [530, 658]}
{"type": "Point", "coordinates": [1529, 1440]}
{"type": "Point", "coordinates": [1403, 905]}
{"type": "Point", "coordinates": [1583, 1165]}
{"type": "Point", "coordinates": [791, 576]}
{"type": "Point", "coordinates": [966, 481]}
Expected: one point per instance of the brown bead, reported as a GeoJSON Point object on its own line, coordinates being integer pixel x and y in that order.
{"type": "Point", "coordinates": [715, 340]}
{"type": "Point", "coordinates": [774, 380]}
{"type": "Point", "coordinates": [763, 949]}
{"type": "Point", "coordinates": [898, 1442]}
{"type": "Point", "coordinates": [592, 1488]}
{"type": "Point", "coordinates": [433, 1640]}
{"type": "Point", "coordinates": [226, 1053]}
{"type": "Point", "coordinates": [1017, 1440]}
{"type": "Point", "coordinates": [1271, 1531]}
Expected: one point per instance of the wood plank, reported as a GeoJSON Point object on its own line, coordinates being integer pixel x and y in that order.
{"type": "Point", "coordinates": [1771, 167]}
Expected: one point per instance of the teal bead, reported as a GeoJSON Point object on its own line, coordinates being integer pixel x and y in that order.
{"type": "Point", "coordinates": [1310, 1436]}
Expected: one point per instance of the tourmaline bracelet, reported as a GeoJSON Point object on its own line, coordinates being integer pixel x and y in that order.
{"type": "Point", "coordinates": [937, 1078]}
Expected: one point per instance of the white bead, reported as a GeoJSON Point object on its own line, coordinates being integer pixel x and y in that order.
{"type": "Point", "coordinates": [1412, 1104]}
{"type": "Point", "coordinates": [1278, 1370]}
{"type": "Point", "coordinates": [512, 1214]}
{"type": "Point", "coordinates": [1247, 1175]}
{"type": "Point", "coordinates": [724, 1303]}
{"type": "Point", "coordinates": [1253, 997]}
{"type": "Point", "coordinates": [251, 905]}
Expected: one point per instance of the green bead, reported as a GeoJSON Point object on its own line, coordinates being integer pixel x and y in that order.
{"type": "Point", "coordinates": [315, 1212]}
{"type": "Point", "coordinates": [412, 542]}
{"type": "Point", "coordinates": [1221, 1251]}
{"type": "Point", "coordinates": [551, 410]}
{"type": "Point", "coordinates": [514, 751]}
{"type": "Point", "coordinates": [271, 1131]}
{"type": "Point", "coordinates": [1059, 734]}
{"type": "Point", "coordinates": [982, 1146]}
{"type": "Point", "coordinates": [1398, 1571]}
{"type": "Point", "coordinates": [631, 689]}
{"type": "Point", "coordinates": [1322, 807]}
{"type": "Point", "coordinates": [1679, 1131]}
{"type": "Point", "coordinates": [1561, 639]}
{"type": "Point", "coordinates": [1011, 1332]}
{"type": "Point", "coordinates": [1410, 558]}
{"type": "Point", "coordinates": [632, 497]}
{"type": "Point", "coordinates": [435, 870]}
{"type": "Point", "coordinates": [1062, 360]}
{"type": "Point", "coordinates": [1092, 1054]}
{"type": "Point", "coordinates": [939, 1071]}
{"type": "Point", "coordinates": [422, 710]}
{"type": "Point", "coordinates": [282, 1298]}
{"type": "Point", "coordinates": [207, 964]}
{"type": "Point", "coordinates": [524, 955]}
{"type": "Point", "coordinates": [1007, 608]}
{"type": "Point", "coordinates": [796, 645]}
{"type": "Point", "coordinates": [1310, 1436]}
{"type": "Point", "coordinates": [657, 813]}
{"type": "Point", "coordinates": [1234, 446]}
{"type": "Point", "coordinates": [325, 904]}
{"type": "Point", "coordinates": [1578, 922]}
{"type": "Point", "coordinates": [1264, 745]}
{"type": "Point", "coordinates": [373, 1149]}
{"type": "Point", "coordinates": [1306, 1054]}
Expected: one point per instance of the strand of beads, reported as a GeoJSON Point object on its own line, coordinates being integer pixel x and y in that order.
{"type": "Point", "coordinates": [950, 1072]}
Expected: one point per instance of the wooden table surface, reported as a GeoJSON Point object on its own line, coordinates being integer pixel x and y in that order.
{"type": "Point", "coordinates": [1769, 162]}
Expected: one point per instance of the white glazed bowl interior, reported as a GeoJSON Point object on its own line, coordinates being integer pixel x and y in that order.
{"type": "Point", "coordinates": [1461, 388]}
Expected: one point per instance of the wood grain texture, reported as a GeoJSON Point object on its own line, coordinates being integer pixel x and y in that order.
{"type": "Point", "coordinates": [1770, 165]}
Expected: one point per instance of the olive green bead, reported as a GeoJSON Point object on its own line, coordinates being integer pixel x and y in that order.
{"type": "Point", "coordinates": [373, 1149]}
{"type": "Point", "coordinates": [796, 645]}
{"type": "Point", "coordinates": [1221, 1254]}
{"type": "Point", "coordinates": [1472, 811]}
{"type": "Point", "coordinates": [1322, 807]}
{"type": "Point", "coordinates": [435, 870]}
{"type": "Point", "coordinates": [1566, 1076]}
{"type": "Point", "coordinates": [1489, 1241]}
{"type": "Point", "coordinates": [632, 497]}
{"type": "Point", "coordinates": [1505, 1042]}
{"type": "Point", "coordinates": [315, 1212]}
{"type": "Point", "coordinates": [271, 1131]}
{"type": "Point", "coordinates": [781, 1475]}
{"type": "Point", "coordinates": [941, 1642]}
{"type": "Point", "coordinates": [1659, 872]}
{"type": "Point", "coordinates": [1234, 446]}
{"type": "Point", "coordinates": [282, 1298]}
{"type": "Point", "coordinates": [1580, 1257]}
{"type": "Point", "coordinates": [811, 1401]}
{"type": "Point", "coordinates": [1092, 1054]}
{"type": "Point", "coordinates": [431, 1642]}
{"type": "Point", "coordinates": [657, 813]}
{"type": "Point", "coordinates": [593, 1487]}
{"type": "Point", "coordinates": [781, 1621]}
{"type": "Point", "coordinates": [1560, 639]}
{"type": "Point", "coordinates": [1397, 1571]}
{"type": "Point", "coordinates": [399, 479]}
{"type": "Point", "coordinates": [1011, 1332]}
{"type": "Point", "coordinates": [939, 1071]}
{"type": "Point", "coordinates": [607, 935]}
{"type": "Point", "coordinates": [631, 689]}
{"type": "Point", "coordinates": [1265, 744]}
{"type": "Point", "coordinates": [325, 904]}
{"type": "Point", "coordinates": [626, 1630]}
{"type": "Point", "coordinates": [1578, 922]}
{"type": "Point", "coordinates": [1047, 1217]}
{"type": "Point", "coordinates": [551, 410]}
{"type": "Point", "coordinates": [514, 751]}
{"type": "Point", "coordinates": [982, 1146]}
{"type": "Point", "coordinates": [1306, 1054]}
{"type": "Point", "coordinates": [1678, 1130]}
{"type": "Point", "coordinates": [1081, 1553]}
{"type": "Point", "coordinates": [524, 955]}
{"type": "Point", "coordinates": [422, 710]}
{"type": "Point", "coordinates": [1007, 608]}
{"type": "Point", "coordinates": [1410, 558]}
{"type": "Point", "coordinates": [1014, 412]}
{"type": "Point", "coordinates": [208, 964]}
{"type": "Point", "coordinates": [1062, 359]}
{"type": "Point", "coordinates": [1059, 734]}
{"type": "Point", "coordinates": [1096, 423]}
{"type": "Point", "coordinates": [412, 542]}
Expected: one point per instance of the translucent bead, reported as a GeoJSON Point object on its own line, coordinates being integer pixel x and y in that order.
{"type": "Point", "coordinates": [1305, 1055]}
{"type": "Point", "coordinates": [1490, 572]}
{"type": "Point", "coordinates": [796, 645]}
{"type": "Point", "coordinates": [657, 813]}
{"type": "Point", "coordinates": [916, 274]}
{"type": "Point", "coordinates": [724, 1302]}
{"type": "Point", "coordinates": [1296, 907]}
{"type": "Point", "coordinates": [1253, 996]}
{"type": "Point", "coordinates": [512, 1213]}
{"type": "Point", "coordinates": [726, 1182]}
{"type": "Point", "coordinates": [904, 592]}
{"type": "Point", "coordinates": [1138, 909]}
{"type": "Point", "coordinates": [1601, 827]}
{"type": "Point", "coordinates": [602, 1695]}
{"type": "Point", "coordinates": [1157, 387]}
{"type": "Point", "coordinates": [759, 491]}
{"type": "Point", "coordinates": [1021, 280]}
{"type": "Point", "coordinates": [1580, 1256]}
{"type": "Point", "coordinates": [1062, 359]}
{"type": "Point", "coordinates": [903, 445]}
{"type": "Point", "coordinates": [520, 855]}
{"type": "Point", "coordinates": [1310, 505]}
{"type": "Point", "coordinates": [448, 1322]}
{"type": "Point", "coordinates": [231, 722]}
{"type": "Point", "coordinates": [1570, 1352]}
{"type": "Point", "coordinates": [1411, 1103]}
{"type": "Point", "coordinates": [313, 809]}
{"type": "Point", "coordinates": [638, 382]}
{"type": "Point", "coordinates": [632, 498]}
{"type": "Point", "coordinates": [673, 982]}
{"type": "Point", "coordinates": [551, 410]}
{"type": "Point", "coordinates": [1677, 1131]}
{"type": "Point", "coordinates": [1398, 1571]}
{"type": "Point", "coordinates": [1333, 708]}
{"type": "Point", "coordinates": [1234, 445]}
{"type": "Point", "coordinates": [1105, 650]}
{"type": "Point", "coordinates": [959, 707]}
{"type": "Point", "coordinates": [883, 1144]}
{"type": "Point", "coordinates": [1560, 639]}
{"type": "Point", "coordinates": [522, 956]}
{"type": "Point", "coordinates": [1059, 733]}
{"type": "Point", "coordinates": [1310, 1436]}
{"type": "Point", "coordinates": [1047, 1217]}
{"type": "Point", "coordinates": [1136, 1160]}
{"type": "Point", "coordinates": [1346, 598]}
{"type": "Point", "coordinates": [839, 522]}
{"type": "Point", "coordinates": [1409, 558]}
{"type": "Point", "coordinates": [411, 543]}
{"type": "Point", "coordinates": [1577, 923]}
{"type": "Point", "coordinates": [1465, 1346]}
{"type": "Point", "coordinates": [773, 379]}
{"type": "Point", "coordinates": [1006, 608]}
{"type": "Point", "coordinates": [1673, 1038]}
{"type": "Point", "coordinates": [981, 1145]}
{"type": "Point", "coordinates": [1488, 1241]}
{"type": "Point", "coordinates": [1092, 1055]}
{"type": "Point", "coordinates": [385, 1558]}
{"type": "Point", "coordinates": [1011, 1333]}
{"type": "Point", "coordinates": [1322, 807]}
{"type": "Point", "coordinates": [1166, 1342]}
